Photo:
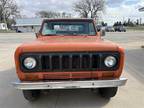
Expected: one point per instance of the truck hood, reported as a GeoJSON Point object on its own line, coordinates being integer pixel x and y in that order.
{"type": "Point", "coordinates": [68, 43]}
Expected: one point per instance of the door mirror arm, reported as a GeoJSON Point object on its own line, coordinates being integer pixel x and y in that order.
{"type": "Point", "coordinates": [37, 35]}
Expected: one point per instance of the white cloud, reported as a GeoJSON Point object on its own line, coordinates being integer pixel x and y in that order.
{"type": "Point", "coordinates": [116, 10]}
{"type": "Point", "coordinates": [29, 8]}
{"type": "Point", "coordinates": [123, 12]}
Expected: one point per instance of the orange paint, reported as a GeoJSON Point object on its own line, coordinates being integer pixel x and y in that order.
{"type": "Point", "coordinates": [68, 44]}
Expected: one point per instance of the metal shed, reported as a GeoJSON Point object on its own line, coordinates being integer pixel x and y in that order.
{"type": "Point", "coordinates": [28, 24]}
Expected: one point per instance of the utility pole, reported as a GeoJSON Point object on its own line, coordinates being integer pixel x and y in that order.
{"type": "Point", "coordinates": [141, 10]}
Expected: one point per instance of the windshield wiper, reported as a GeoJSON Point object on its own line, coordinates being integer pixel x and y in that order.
{"type": "Point", "coordinates": [50, 35]}
{"type": "Point", "coordinates": [75, 34]}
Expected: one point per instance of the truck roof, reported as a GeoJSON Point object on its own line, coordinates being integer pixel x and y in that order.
{"type": "Point", "coordinates": [69, 19]}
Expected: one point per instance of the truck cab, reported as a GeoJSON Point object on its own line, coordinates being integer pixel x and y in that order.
{"type": "Point", "coordinates": [69, 54]}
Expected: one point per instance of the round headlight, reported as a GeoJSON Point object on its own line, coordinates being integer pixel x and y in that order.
{"type": "Point", "coordinates": [30, 62]}
{"type": "Point", "coordinates": [110, 61]}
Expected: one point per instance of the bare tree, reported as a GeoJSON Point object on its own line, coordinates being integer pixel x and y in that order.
{"type": "Point", "coordinates": [51, 14]}
{"type": "Point", "coordinates": [47, 14]}
{"type": "Point", "coordinates": [88, 8]}
{"type": "Point", "coordinates": [8, 8]}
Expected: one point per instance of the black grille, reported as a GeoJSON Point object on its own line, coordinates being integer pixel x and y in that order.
{"type": "Point", "coordinates": [70, 62]}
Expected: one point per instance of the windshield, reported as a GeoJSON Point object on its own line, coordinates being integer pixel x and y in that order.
{"type": "Point", "coordinates": [68, 28]}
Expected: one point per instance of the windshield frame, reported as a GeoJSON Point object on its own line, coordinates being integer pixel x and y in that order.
{"type": "Point", "coordinates": [68, 20]}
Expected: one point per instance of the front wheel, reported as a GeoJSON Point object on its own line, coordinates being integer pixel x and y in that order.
{"type": "Point", "coordinates": [108, 92]}
{"type": "Point", "coordinates": [31, 95]}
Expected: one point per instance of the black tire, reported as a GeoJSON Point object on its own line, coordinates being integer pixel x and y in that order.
{"type": "Point", "coordinates": [31, 95]}
{"type": "Point", "coordinates": [108, 92]}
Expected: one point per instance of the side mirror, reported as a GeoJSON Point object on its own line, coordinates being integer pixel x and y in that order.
{"type": "Point", "coordinates": [37, 35]}
{"type": "Point", "coordinates": [102, 32]}
{"type": "Point", "coordinates": [98, 29]}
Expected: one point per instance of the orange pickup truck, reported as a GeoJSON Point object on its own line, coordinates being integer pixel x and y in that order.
{"type": "Point", "coordinates": [69, 54]}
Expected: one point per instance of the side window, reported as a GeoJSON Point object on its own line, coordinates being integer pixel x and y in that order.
{"type": "Point", "coordinates": [48, 30]}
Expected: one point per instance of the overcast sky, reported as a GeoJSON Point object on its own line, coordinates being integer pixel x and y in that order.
{"type": "Point", "coordinates": [115, 9]}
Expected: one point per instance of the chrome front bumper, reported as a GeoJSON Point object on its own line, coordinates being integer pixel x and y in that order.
{"type": "Point", "coordinates": [70, 84]}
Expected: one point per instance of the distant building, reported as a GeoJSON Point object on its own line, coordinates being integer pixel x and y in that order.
{"type": "Point", "coordinates": [3, 26]}
{"type": "Point", "coordinates": [28, 25]}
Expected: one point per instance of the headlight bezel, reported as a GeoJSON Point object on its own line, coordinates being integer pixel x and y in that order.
{"type": "Point", "coordinates": [26, 55]}
{"type": "Point", "coordinates": [116, 66]}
